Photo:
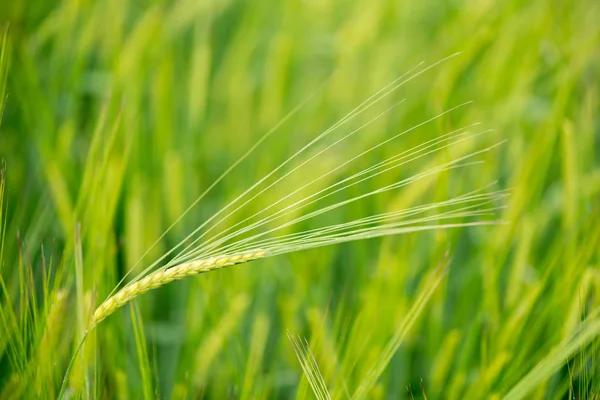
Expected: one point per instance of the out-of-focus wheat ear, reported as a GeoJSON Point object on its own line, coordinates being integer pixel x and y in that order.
{"type": "Point", "coordinates": [164, 276]}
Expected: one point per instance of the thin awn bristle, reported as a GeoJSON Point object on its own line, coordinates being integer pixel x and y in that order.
{"type": "Point", "coordinates": [310, 367]}
{"type": "Point", "coordinates": [362, 107]}
{"type": "Point", "coordinates": [362, 225]}
{"type": "Point", "coordinates": [483, 198]}
{"type": "Point", "coordinates": [444, 167]}
{"type": "Point", "coordinates": [162, 277]}
{"type": "Point", "coordinates": [396, 161]}
{"type": "Point", "coordinates": [320, 152]}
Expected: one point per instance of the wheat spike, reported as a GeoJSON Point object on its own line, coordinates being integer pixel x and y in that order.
{"type": "Point", "coordinates": [212, 244]}
{"type": "Point", "coordinates": [164, 276]}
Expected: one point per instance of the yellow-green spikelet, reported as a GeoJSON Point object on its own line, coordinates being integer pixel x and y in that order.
{"type": "Point", "coordinates": [162, 277]}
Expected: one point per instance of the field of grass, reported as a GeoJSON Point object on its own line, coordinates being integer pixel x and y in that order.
{"type": "Point", "coordinates": [473, 274]}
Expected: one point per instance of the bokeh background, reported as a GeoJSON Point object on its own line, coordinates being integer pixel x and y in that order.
{"type": "Point", "coordinates": [119, 114]}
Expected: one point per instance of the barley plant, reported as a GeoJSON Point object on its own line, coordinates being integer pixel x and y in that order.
{"type": "Point", "coordinates": [300, 199]}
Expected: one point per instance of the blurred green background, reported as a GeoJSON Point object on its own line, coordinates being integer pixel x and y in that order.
{"type": "Point", "coordinates": [119, 114]}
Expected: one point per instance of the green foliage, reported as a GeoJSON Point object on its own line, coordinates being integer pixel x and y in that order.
{"type": "Point", "coordinates": [116, 116]}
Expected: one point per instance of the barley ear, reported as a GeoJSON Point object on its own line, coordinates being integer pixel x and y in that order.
{"type": "Point", "coordinates": [162, 277]}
